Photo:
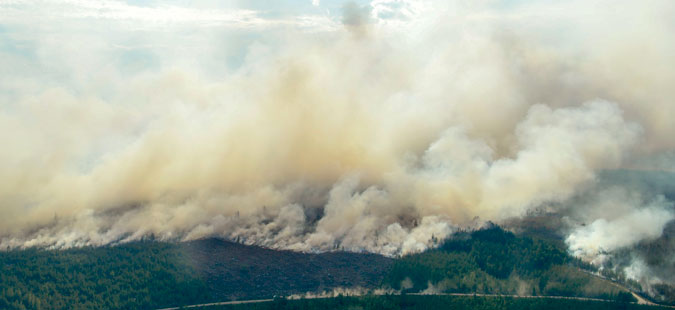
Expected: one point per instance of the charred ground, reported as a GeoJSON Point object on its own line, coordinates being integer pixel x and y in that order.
{"type": "Point", "coordinates": [236, 271]}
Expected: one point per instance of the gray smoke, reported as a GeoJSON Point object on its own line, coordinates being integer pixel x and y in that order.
{"type": "Point", "coordinates": [382, 134]}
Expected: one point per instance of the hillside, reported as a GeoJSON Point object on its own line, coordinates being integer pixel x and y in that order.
{"type": "Point", "coordinates": [146, 275]}
{"type": "Point", "coordinates": [149, 274]}
{"type": "Point", "coordinates": [495, 261]}
{"type": "Point", "coordinates": [235, 271]}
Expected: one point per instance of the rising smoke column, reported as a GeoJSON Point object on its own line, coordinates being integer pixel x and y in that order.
{"type": "Point", "coordinates": [373, 130]}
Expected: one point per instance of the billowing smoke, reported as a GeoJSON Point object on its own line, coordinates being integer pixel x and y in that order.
{"type": "Point", "coordinates": [620, 231]}
{"type": "Point", "coordinates": [625, 224]}
{"type": "Point", "coordinates": [383, 129]}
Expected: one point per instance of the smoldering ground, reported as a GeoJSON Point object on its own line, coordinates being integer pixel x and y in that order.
{"type": "Point", "coordinates": [378, 135]}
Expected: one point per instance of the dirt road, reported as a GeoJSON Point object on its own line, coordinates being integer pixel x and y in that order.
{"type": "Point", "coordinates": [640, 300]}
{"type": "Point", "coordinates": [236, 302]}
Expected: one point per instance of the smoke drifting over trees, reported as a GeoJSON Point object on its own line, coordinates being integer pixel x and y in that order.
{"type": "Point", "coordinates": [381, 134]}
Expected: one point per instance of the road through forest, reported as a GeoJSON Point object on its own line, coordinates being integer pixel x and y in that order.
{"type": "Point", "coordinates": [640, 299]}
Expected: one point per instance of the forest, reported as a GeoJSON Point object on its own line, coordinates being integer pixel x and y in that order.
{"type": "Point", "coordinates": [139, 275]}
{"type": "Point", "coordinates": [151, 274]}
{"type": "Point", "coordinates": [418, 302]}
{"type": "Point", "coordinates": [496, 261]}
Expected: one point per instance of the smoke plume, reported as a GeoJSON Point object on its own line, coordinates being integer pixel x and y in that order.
{"type": "Point", "coordinates": [382, 130]}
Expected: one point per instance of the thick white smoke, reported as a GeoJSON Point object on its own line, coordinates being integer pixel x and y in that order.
{"type": "Point", "coordinates": [383, 134]}
{"type": "Point", "coordinates": [603, 236]}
